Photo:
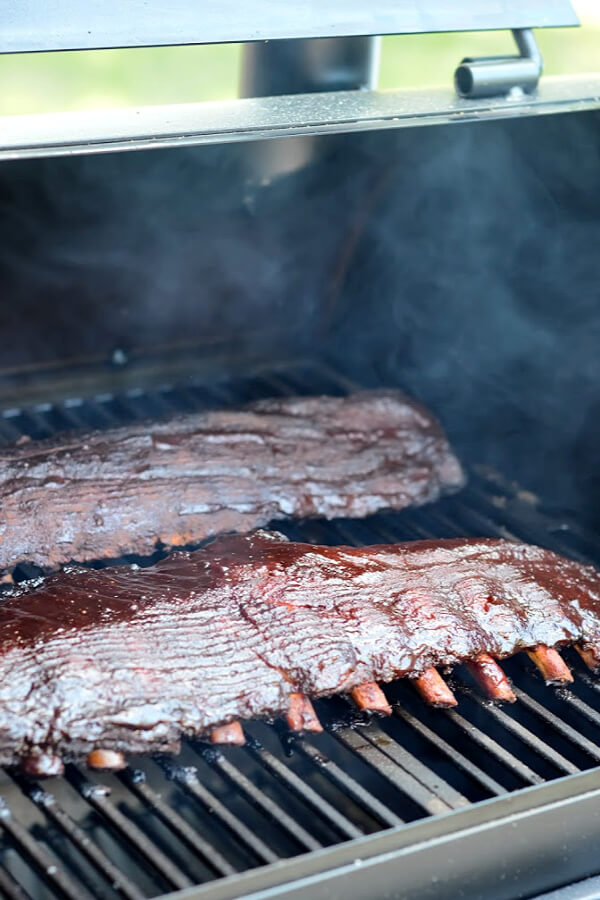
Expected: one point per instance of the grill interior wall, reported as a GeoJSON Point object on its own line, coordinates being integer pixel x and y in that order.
{"type": "Point", "coordinates": [459, 262]}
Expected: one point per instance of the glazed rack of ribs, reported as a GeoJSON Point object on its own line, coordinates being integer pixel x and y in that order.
{"type": "Point", "coordinates": [169, 822]}
{"type": "Point", "coordinates": [103, 494]}
{"type": "Point", "coordinates": [98, 663]}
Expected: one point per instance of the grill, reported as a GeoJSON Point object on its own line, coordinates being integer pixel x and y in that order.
{"type": "Point", "coordinates": [310, 237]}
{"type": "Point", "coordinates": [234, 820]}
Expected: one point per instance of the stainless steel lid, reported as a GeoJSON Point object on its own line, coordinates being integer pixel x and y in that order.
{"type": "Point", "coordinates": [32, 25]}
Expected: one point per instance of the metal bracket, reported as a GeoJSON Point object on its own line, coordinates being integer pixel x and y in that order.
{"type": "Point", "coordinates": [491, 76]}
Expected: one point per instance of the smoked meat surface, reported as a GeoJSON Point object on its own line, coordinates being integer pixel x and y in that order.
{"type": "Point", "coordinates": [105, 494]}
{"type": "Point", "coordinates": [131, 659]}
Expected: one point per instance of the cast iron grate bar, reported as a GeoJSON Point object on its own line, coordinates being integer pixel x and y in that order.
{"type": "Point", "coordinates": [581, 706]}
{"type": "Point", "coordinates": [558, 725]}
{"type": "Point", "coordinates": [9, 887]}
{"type": "Point", "coordinates": [61, 819]}
{"type": "Point", "coordinates": [243, 784]}
{"type": "Point", "coordinates": [43, 862]}
{"type": "Point", "coordinates": [315, 790]}
{"type": "Point", "coordinates": [528, 737]}
{"type": "Point", "coordinates": [405, 760]}
{"type": "Point", "coordinates": [503, 756]}
{"type": "Point", "coordinates": [478, 519]}
{"type": "Point", "coordinates": [304, 791]}
{"type": "Point", "coordinates": [137, 782]}
{"type": "Point", "coordinates": [489, 784]}
{"type": "Point", "coordinates": [187, 778]}
{"type": "Point", "coordinates": [98, 796]}
{"type": "Point", "coordinates": [395, 773]}
{"type": "Point", "coordinates": [590, 682]}
{"type": "Point", "coordinates": [350, 786]}
{"type": "Point", "coordinates": [500, 498]}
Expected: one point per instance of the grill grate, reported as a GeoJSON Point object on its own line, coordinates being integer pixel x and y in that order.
{"type": "Point", "coordinates": [166, 824]}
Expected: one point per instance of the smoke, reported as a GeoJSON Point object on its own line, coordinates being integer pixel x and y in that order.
{"type": "Point", "coordinates": [161, 248]}
{"type": "Point", "coordinates": [476, 286]}
{"type": "Point", "coordinates": [459, 262]}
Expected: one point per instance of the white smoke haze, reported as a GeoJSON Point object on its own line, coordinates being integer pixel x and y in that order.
{"type": "Point", "coordinates": [483, 259]}
{"type": "Point", "coordinates": [460, 262]}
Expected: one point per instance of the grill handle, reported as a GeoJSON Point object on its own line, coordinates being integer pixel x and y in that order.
{"type": "Point", "coordinates": [492, 76]}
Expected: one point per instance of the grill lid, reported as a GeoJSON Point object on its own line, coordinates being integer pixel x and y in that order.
{"type": "Point", "coordinates": [66, 25]}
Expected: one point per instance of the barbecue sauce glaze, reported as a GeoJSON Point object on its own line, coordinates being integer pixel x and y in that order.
{"type": "Point", "coordinates": [130, 659]}
{"type": "Point", "coordinates": [108, 493]}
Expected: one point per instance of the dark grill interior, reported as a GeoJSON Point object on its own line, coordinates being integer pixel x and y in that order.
{"type": "Point", "coordinates": [166, 824]}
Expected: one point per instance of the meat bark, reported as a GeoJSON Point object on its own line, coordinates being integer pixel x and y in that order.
{"type": "Point", "coordinates": [128, 659]}
{"type": "Point", "coordinates": [121, 491]}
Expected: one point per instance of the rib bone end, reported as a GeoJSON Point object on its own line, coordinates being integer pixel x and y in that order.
{"type": "Point", "coordinates": [301, 715]}
{"type": "Point", "coordinates": [590, 655]}
{"type": "Point", "coordinates": [370, 697]}
{"type": "Point", "coordinates": [109, 760]}
{"type": "Point", "coordinates": [434, 690]}
{"type": "Point", "coordinates": [492, 679]}
{"type": "Point", "coordinates": [232, 733]}
{"type": "Point", "coordinates": [551, 665]}
{"type": "Point", "coordinates": [43, 765]}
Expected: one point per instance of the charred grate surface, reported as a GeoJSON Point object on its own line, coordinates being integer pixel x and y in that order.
{"type": "Point", "coordinates": [166, 824]}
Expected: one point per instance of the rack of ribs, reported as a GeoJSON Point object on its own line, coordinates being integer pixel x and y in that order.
{"type": "Point", "coordinates": [98, 663]}
{"type": "Point", "coordinates": [178, 482]}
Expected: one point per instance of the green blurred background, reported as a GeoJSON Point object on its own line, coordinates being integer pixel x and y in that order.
{"type": "Point", "coordinates": [47, 82]}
